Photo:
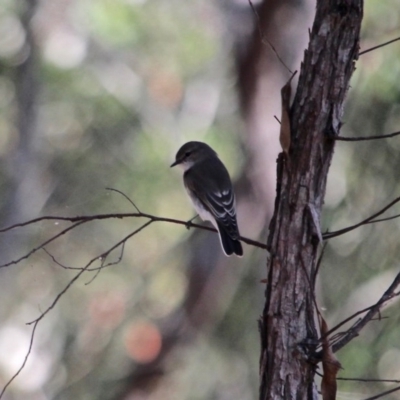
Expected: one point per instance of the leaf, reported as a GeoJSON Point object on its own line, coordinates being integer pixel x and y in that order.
{"type": "Point", "coordinates": [330, 365]}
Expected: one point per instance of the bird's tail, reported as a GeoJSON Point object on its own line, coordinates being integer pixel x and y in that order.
{"type": "Point", "coordinates": [229, 245]}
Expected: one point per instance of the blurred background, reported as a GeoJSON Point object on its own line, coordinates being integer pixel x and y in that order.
{"type": "Point", "coordinates": [102, 93]}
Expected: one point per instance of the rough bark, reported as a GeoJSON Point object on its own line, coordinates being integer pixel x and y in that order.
{"type": "Point", "coordinates": [287, 325]}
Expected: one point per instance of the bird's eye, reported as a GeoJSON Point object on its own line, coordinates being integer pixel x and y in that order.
{"type": "Point", "coordinates": [187, 154]}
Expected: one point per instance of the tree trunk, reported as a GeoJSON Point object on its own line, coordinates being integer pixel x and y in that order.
{"type": "Point", "coordinates": [287, 326]}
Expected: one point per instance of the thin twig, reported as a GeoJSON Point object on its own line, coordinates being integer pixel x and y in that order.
{"type": "Point", "coordinates": [126, 197]}
{"type": "Point", "coordinates": [318, 266]}
{"type": "Point", "coordinates": [340, 324]}
{"type": "Point", "coordinates": [84, 269]}
{"type": "Point", "coordinates": [371, 219]}
{"type": "Point", "coordinates": [384, 219]}
{"type": "Point", "coordinates": [264, 39]}
{"type": "Point", "coordinates": [36, 321]}
{"type": "Point", "coordinates": [55, 261]}
{"type": "Point", "coordinates": [361, 138]}
{"type": "Point", "coordinates": [279, 122]}
{"type": "Point", "coordinates": [108, 264]}
{"type": "Point", "coordinates": [24, 362]}
{"type": "Point", "coordinates": [27, 255]}
{"type": "Point", "coordinates": [366, 380]}
{"type": "Point", "coordinates": [377, 47]}
{"type": "Point", "coordinates": [351, 333]}
{"type": "Point", "coordinates": [378, 396]}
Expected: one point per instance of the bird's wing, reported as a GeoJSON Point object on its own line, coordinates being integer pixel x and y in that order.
{"type": "Point", "coordinates": [219, 200]}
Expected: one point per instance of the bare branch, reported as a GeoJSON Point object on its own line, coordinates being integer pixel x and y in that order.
{"type": "Point", "coordinates": [384, 219]}
{"type": "Point", "coordinates": [375, 309]}
{"type": "Point", "coordinates": [103, 256]}
{"type": "Point", "coordinates": [108, 264]}
{"type": "Point", "coordinates": [340, 324]}
{"type": "Point", "coordinates": [24, 362]}
{"type": "Point", "coordinates": [378, 396]}
{"type": "Point", "coordinates": [84, 269]}
{"type": "Point", "coordinates": [79, 220]}
{"type": "Point", "coordinates": [126, 197]}
{"type": "Point", "coordinates": [62, 265]}
{"type": "Point", "coordinates": [371, 219]}
{"type": "Point", "coordinates": [264, 39]}
{"type": "Point", "coordinates": [153, 218]}
{"type": "Point", "coordinates": [361, 138]}
{"type": "Point", "coordinates": [367, 380]}
{"type": "Point", "coordinates": [34, 250]}
{"type": "Point", "coordinates": [379, 46]}
{"type": "Point", "coordinates": [318, 266]}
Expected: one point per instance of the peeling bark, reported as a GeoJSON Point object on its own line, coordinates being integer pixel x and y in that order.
{"type": "Point", "coordinates": [287, 326]}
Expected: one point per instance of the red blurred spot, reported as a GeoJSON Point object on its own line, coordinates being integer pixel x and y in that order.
{"type": "Point", "coordinates": [143, 342]}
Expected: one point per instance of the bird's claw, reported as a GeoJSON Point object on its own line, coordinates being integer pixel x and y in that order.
{"type": "Point", "coordinates": [189, 223]}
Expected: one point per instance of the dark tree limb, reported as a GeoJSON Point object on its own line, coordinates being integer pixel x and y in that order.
{"type": "Point", "coordinates": [363, 138]}
{"type": "Point", "coordinates": [369, 220]}
{"type": "Point", "coordinates": [82, 219]}
{"type": "Point", "coordinates": [379, 46]}
{"type": "Point", "coordinates": [374, 310]}
{"type": "Point", "coordinates": [288, 317]}
{"type": "Point", "coordinates": [380, 395]}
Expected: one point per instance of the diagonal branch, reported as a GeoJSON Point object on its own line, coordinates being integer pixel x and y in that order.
{"type": "Point", "coordinates": [371, 219]}
{"type": "Point", "coordinates": [265, 39]}
{"type": "Point", "coordinates": [378, 46]}
{"type": "Point", "coordinates": [23, 363]}
{"type": "Point", "coordinates": [380, 395]}
{"type": "Point", "coordinates": [84, 269]}
{"type": "Point", "coordinates": [375, 309]}
{"type": "Point", "coordinates": [34, 250]}
{"type": "Point", "coordinates": [341, 323]}
{"type": "Point", "coordinates": [353, 332]}
{"type": "Point", "coordinates": [36, 321]}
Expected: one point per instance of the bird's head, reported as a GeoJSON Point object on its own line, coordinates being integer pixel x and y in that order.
{"type": "Point", "coordinates": [191, 153]}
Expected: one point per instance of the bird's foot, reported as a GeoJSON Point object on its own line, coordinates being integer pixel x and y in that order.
{"type": "Point", "coordinates": [188, 223]}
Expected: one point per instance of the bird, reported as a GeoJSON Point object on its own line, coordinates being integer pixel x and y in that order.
{"type": "Point", "coordinates": [209, 187]}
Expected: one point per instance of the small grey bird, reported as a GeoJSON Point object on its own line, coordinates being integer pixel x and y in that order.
{"type": "Point", "coordinates": [209, 187]}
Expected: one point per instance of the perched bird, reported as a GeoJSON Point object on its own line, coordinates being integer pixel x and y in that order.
{"type": "Point", "coordinates": [209, 187]}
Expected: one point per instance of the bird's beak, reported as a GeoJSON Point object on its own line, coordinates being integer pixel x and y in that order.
{"type": "Point", "coordinates": [174, 163]}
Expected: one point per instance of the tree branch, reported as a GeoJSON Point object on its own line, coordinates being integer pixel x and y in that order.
{"type": "Point", "coordinates": [371, 219]}
{"type": "Point", "coordinates": [368, 380]}
{"type": "Point", "coordinates": [84, 269]}
{"type": "Point", "coordinates": [265, 39]}
{"type": "Point", "coordinates": [79, 220]}
{"type": "Point", "coordinates": [378, 46]}
{"type": "Point", "coordinates": [361, 138]}
{"type": "Point", "coordinates": [24, 362]}
{"type": "Point", "coordinates": [378, 396]}
{"type": "Point", "coordinates": [353, 332]}
{"type": "Point", "coordinates": [340, 324]}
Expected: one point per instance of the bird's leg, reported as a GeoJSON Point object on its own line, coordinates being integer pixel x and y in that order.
{"type": "Point", "coordinates": [190, 221]}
